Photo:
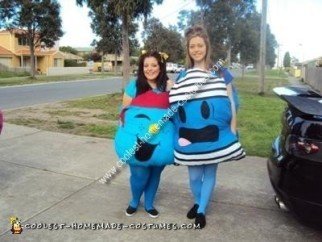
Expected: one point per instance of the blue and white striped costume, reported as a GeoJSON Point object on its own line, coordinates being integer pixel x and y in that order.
{"type": "Point", "coordinates": [202, 121]}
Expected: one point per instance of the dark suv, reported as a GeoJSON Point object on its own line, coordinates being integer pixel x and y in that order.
{"type": "Point", "coordinates": [295, 164]}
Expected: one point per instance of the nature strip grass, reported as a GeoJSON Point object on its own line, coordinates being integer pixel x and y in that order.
{"type": "Point", "coordinates": [11, 81]}
{"type": "Point", "coordinates": [258, 117]}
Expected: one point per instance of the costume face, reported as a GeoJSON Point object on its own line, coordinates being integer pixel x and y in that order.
{"type": "Point", "coordinates": [146, 137]}
{"type": "Point", "coordinates": [197, 49]}
{"type": "Point", "coordinates": [151, 68]}
{"type": "Point", "coordinates": [199, 122]}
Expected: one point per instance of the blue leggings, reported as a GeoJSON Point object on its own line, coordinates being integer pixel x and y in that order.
{"type": "Point", "coordinates": [202, 183]}
{"type": "Point", "coordinates": [144, 179]}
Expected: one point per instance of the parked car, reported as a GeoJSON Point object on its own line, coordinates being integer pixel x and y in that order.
{"type": "Point", "coordinates": [171, 67]}
{"type": "Point", "coordinates": [295, 164]}
{"type": "Point", "coordinates": [179, 68]}
{"type": "Point", "coordinates": [249, 67]}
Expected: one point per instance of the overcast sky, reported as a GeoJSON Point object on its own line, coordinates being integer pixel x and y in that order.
{"type": "Point", "coordinates": [296, 24]}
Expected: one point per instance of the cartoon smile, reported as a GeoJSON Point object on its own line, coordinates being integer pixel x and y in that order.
{"type": "Point", "coordinates": [188, 136]}
{"type": "Point", "coordinates": [145, 151]}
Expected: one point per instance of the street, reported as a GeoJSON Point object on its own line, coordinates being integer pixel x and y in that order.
{"type": "Point", "coordinates": [27, 95]}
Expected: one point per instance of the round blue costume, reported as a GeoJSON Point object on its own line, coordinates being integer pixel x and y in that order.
{"type": "Point", "coordinates": [203, 134]}
{"type": "Point", "coordinates": [144, 140]}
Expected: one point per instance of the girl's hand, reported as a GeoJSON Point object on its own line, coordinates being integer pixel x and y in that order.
{"type": "Point", "coordinates": [170, 84]}
{"type": "Point", "coordinates": [234, 131]}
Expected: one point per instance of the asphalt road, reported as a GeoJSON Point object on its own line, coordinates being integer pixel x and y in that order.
{"type": "Point", "coordinates": [27, 95]}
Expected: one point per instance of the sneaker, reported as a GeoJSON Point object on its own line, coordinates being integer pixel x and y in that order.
{"type": "Point", "coordinates": [200, 221]}
{"type": "Point", "coordinates": [153, 213]}
{"type": "Point", "coordinates": [193, 212]}
{"type": "Point", "coordinates": [130, 211]}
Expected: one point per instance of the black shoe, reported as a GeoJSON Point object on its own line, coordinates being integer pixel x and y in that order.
{"type": "Point", "coordinates": [193, 211]}
{"type": "Point", "coordinates": [153, 213]}
{"type": "Point", "coordinates": [130, 211]}
{"type": "Point", "coordinates": [200, 221]}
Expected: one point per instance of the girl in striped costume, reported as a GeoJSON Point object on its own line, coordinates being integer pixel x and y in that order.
{"type": "Point", "coordinates": [205, 122]}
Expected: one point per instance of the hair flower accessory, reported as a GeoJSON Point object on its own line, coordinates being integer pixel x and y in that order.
{"type": "Point", "coordinates": [143, 52]}
{"type": "Point", "coordinates": [164, 56]}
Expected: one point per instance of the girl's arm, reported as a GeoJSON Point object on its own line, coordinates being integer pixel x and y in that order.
{"type": "Point", "coordinates": [233, 123]}
{"type": "Point", "coordinates": [170, 84]}
{"type": "Point", "coordinates": [126, 100]}
{"type": "Point", "coordinates": [129, 93]}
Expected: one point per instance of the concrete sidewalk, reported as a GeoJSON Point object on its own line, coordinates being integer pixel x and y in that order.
{"type": "Point", "coordinates": [48, 177]}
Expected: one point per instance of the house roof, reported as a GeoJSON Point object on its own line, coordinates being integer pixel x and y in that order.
{"type": "Point", "coordinates": [84, 49]}
{"type": "Point", "coordinates": [312, 60]}
{"type": "Point", "coordinates": [71, 56]}
{"type": "Point", "coordinates": [4, 51]}
{"type": "Point", "coordinates": [14, 31]}
{"type": "Point", "coordinates": [37, 52]}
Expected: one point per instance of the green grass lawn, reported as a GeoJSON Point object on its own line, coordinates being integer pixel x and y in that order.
{"type": "Point", "coordinates": [7, 74]}
{"type": "Point", "coordinates": [259, 117]}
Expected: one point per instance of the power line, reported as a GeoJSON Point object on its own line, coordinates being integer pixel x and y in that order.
{"type": "Point", "coordinates": [177, 10]}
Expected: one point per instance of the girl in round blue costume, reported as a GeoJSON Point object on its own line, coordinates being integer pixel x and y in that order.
{"type": "Point", "coordinates": [205, 122]}
{"type": "Point", "coordinates": [143, 140]}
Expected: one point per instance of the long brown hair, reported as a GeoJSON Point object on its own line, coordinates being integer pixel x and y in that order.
{"type": "Point", "coordinates": [142, 84]}
{"type": "Point", "coordinates": [192, 32]}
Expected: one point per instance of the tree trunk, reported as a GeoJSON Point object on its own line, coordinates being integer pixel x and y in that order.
{"type": "Point", "coordinates": [229, 56]}
{"type": "Point", "coordinates": [126, 50]}
{"type": "Point", "coordinates": [102, 60]}
{"type": "Point", "coordinates": [115, 63]}
{"type": "Point", "coordinates": [32, 58]}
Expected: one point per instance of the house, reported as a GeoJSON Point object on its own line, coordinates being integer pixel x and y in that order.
{"type": "Point", "coordinates": [15, 53]}
{"type": "Point", "coordinates": [84, 51]}
{"type": "Point", "coordinates": [311, 73]}
{"type": "Point", "coordinates": [70, 56]}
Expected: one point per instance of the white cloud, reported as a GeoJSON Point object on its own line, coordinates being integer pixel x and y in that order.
{"type": "Point", "coordinates": [76, 25]}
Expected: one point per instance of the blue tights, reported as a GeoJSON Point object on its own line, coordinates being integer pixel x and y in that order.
{"type": "Point", "coordinates": [144, 179]}
{"type": "Point", "coordinates": [202, 183]}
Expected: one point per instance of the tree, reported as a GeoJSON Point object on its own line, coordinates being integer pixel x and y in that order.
{"type": "Point", "coordinates": [126, 11]}
{"type": "Point", "coordinates": [106, 25]}
{"type": "Point", "coordinates": [163, 39]}
{"type": "Point", "coordinates": [247, 38]}
{"type": "Point", "coordinates": [93, 56]}
{"type": "Point", "coordinates": [222, 20]}
{"type": "Point", "coordinates": [68, 49]}
{"type": "Point", "coordinates": [287, 60]}
{"type": "Point", "coordinates": [188, 18]}
{"type": "Point", "coordinates": [271, 44]}
{"type": "Point", "coordinates": [38, 21]}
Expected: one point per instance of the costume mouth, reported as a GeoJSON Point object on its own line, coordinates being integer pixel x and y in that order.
{"type": "Point", "coordinates": [145, 151]}
{"type": "Point", "coordinates": [188, 136]}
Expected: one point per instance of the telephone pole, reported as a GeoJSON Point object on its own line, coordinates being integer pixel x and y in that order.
{"type": "Point", "coordinates": [262, 51]}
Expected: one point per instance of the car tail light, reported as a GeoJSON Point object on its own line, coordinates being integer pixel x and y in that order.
{"type": "Point", "coordinates": [302, 146]}
{"type": "Point", "coordinates": [308, 148]}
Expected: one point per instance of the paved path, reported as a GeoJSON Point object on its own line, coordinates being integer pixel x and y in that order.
{"type": "Point", "coordinates": [48, 177]}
